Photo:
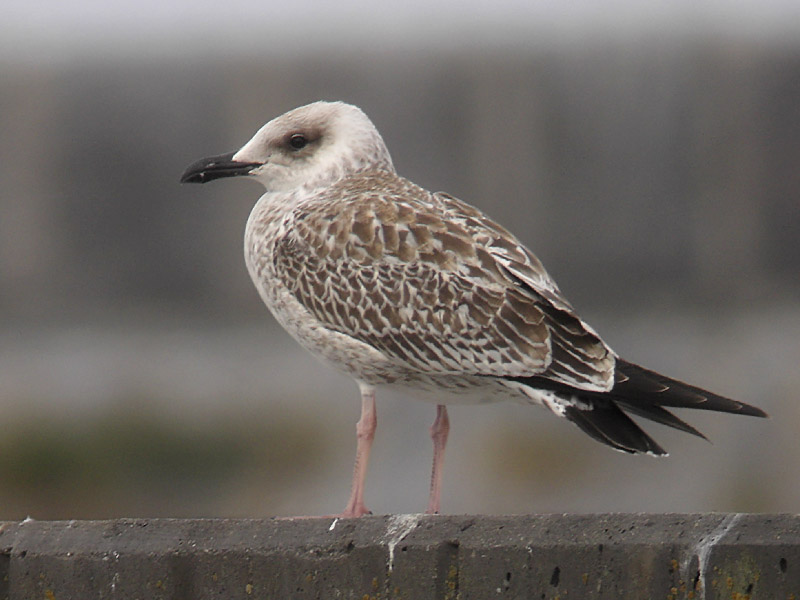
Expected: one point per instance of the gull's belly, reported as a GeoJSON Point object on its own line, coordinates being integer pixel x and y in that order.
{"type": "Point", "coordinates": [368, 365]}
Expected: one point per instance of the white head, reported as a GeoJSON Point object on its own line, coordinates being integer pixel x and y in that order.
{"type": "Point", "coordinates": [311, 146]}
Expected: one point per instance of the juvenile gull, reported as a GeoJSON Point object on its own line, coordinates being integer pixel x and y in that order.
{"type": "Point", "coordinates": [401, 287]}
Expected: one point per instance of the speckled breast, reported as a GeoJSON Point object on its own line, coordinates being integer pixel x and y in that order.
{"type": "Point", "coordinates": [268, 223]}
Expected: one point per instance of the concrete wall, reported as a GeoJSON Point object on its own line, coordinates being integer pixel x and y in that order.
{"type": "Point", "coordinates": [414, 557]}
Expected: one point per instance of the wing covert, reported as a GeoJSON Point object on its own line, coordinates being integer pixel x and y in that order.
{"type": "Point", "coordinates": [438, 287]}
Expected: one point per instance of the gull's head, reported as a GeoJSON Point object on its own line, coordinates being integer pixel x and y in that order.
{"type": "Point", "coordinates": [312, 146]}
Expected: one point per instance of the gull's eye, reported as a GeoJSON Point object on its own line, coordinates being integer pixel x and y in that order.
{"type": "Point", "coordinates": [297, 141]}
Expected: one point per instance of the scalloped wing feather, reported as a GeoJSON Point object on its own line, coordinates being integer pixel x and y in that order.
{"type": "Point", "coordinates": [435, 285]}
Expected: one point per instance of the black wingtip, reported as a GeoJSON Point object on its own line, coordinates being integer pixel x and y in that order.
{"type": "Point", "coordinates": [642, 393]}
{"type": "Point", "coordinates": [607, 423]}
{"type": "Point", "coordinates": [636, 385]}
{"type": "Point", "coordinates": [752, 411]}
{"type": "Point", "coordinates": [661, 415]}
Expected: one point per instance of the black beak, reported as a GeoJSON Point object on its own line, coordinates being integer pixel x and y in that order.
{"type": "Point", "coordinates": [215, 167]}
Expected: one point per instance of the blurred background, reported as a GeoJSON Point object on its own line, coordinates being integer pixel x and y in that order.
{"type": "Point", "coordinates": [648, 152]}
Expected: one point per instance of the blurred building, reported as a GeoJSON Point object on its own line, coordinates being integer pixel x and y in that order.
{"type": "Point", "coordinates": [657, 177]}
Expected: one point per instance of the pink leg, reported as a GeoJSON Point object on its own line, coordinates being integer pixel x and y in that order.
{"type": "Point", "coordinates": [365, 432]}
{"type": "Point", "coordinates": [439, 431]}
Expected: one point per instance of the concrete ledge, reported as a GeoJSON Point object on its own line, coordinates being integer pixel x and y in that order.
{"type": "Point", "coordinates": [412, 557]}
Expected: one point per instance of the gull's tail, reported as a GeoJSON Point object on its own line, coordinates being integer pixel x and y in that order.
{"type": "Point", "coordinates": [641, 392]}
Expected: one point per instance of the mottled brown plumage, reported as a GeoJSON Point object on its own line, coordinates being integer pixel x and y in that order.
{"type": "Point", "coordinates": [398, 286]}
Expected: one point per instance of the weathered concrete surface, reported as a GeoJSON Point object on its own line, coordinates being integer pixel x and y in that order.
{"type": "Point", "coordinates": [410, 557]}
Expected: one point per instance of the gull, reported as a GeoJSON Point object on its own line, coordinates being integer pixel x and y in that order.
{"type": "Point", "coordinates": [403, 288]}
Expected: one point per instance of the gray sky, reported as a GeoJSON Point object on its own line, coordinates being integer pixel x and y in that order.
{"type": "Point", "coordinates": [58, 29]}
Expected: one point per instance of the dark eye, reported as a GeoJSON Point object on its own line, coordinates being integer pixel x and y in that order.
{"type": "Point", "coordinates": [298, 141]}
